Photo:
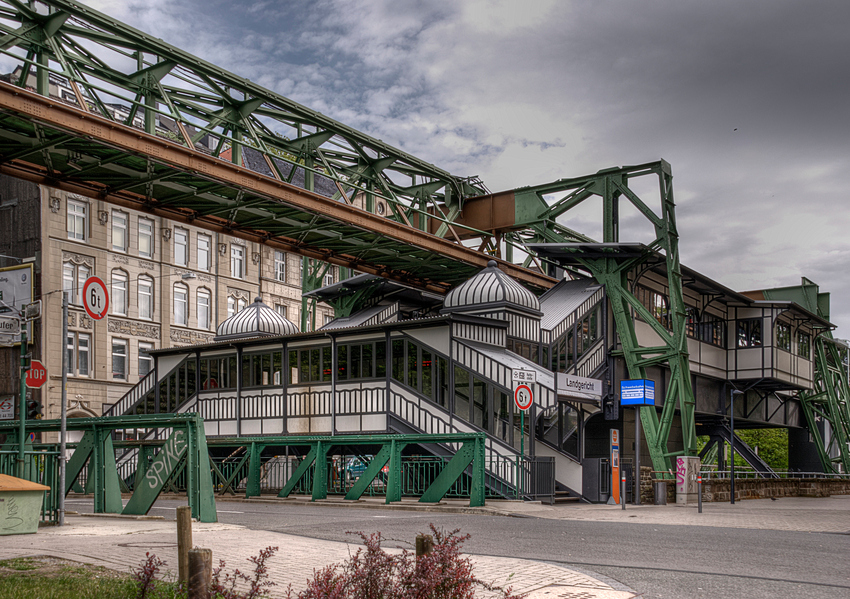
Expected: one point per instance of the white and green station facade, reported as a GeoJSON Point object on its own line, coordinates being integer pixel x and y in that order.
{"type": "Point", "coordinates": [410, 362]}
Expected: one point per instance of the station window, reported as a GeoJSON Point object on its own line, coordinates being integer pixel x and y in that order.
{"type": "Point", "coordinates": [804, 345]}
{"type": "Point", "coordinates": [749, 332]}
{"type": "Point", "coordinates": [783, 336]}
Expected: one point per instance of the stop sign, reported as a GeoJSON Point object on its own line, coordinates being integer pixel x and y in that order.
{"type": "Point", "coordinates": [36, 375]}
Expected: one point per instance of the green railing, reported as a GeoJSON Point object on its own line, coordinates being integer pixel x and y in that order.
{"type": "Point", "coordinates": [40, 466]}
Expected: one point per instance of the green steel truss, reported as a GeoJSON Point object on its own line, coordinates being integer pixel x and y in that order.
{"type": "Point", "coordinates": [829, 400]}
{"type": "Point", "coordinates": [616, 266]}
{"type": "Point", "coordinates": [184, 449]}
{"type": "Point", "coordinates": [390, 213]}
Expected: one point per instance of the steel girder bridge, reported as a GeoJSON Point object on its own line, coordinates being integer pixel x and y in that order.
{"type": "Point", "coordinates": [145, 125]}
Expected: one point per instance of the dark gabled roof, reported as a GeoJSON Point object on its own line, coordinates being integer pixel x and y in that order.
{"type": "Point", "coordinates": [254, 160]}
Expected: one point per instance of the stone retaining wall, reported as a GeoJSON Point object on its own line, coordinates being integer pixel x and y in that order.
{"type": "Point", "coordinates": [749, 488]}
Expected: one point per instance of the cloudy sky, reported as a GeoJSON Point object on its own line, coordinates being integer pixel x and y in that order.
{"type": "Point", "coordinates": [749, 102]}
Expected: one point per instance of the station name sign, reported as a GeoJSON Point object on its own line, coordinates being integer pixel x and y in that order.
{"type": "Point", "coordinates": [568, 383]}
{"type": "Point", "coordinates": [640, 392]}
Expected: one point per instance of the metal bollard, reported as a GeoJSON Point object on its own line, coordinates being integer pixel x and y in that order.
{"type": "Point", "coordinates": [699, 490]}
{"type": "Point", "coordinates": [623, 491]}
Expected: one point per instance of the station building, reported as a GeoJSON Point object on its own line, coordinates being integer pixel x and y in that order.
{"type": "Point", "coordinates": [406, 361]}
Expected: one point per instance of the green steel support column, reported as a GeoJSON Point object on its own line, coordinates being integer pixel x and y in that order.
{"type": "Point", "coordinates": [299, 473]}
{"type": "Point", "coordinates": [236, 148]}
{"type": "Point", "coordinates": [394, 478]}
{"type": "Point", "coordinates": [200, 490]}
{"type": "Point", "coordinates": [252, 487]}
{"type": "Point", "coordinates": [42, 81]}
{"type": "Point", "coordinates": [107, 490]}
{"type": "Point", "coordinates": [142, 464]}
{"type": "Point", "coordinates": [166, 462]}
{"type": "Point", "coordinates": [451, 472]}
{"type": "Point", "coordinates": [320, 472]}
{"type": "Point", "coordinates": [477, 487]}
{"type": "Point", "coordinates": [372, 470]}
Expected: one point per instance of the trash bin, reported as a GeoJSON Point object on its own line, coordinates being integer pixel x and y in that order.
{"type": "Point", "coordinates": [20, 505]}
{"type": "Point", "coordinates": [659, 488]}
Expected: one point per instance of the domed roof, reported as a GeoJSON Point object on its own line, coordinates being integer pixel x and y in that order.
{"type": "Point", "coordinates": [490, 288]}
{"type": "Point", "coordinates": [256, 320]}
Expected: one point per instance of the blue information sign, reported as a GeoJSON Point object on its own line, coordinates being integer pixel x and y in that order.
{"type": "Point", "coordinates": [637, 393]}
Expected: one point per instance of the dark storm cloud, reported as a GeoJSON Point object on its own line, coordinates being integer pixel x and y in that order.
{"type": "Point", "coordinates": [747, 100]}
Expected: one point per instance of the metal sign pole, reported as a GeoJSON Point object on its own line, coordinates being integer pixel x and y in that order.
{"type": "Point", "coordinates": [64, 413]}
{"type": "Point", "coordinates": [22, 405]}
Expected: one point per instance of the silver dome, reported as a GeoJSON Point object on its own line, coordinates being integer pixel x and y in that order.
{"type": "Point", "coordinates": [256, 320]}
{"type": "Point", "coordinates": [490, 288]}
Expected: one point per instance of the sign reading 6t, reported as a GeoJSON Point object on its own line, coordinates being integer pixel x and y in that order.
{"type": "Point", "coordinates": [95, 298]}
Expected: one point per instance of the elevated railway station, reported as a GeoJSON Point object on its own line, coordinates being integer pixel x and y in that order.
{"type": "Point", "coordinates": [190, 189]}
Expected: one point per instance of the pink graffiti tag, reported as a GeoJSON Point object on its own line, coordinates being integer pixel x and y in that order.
{"type": "Point", "coordinates": [680, 472]}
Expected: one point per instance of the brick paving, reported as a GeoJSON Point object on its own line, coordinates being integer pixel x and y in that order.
{"type": "Point", "coordinates": [121, 544]}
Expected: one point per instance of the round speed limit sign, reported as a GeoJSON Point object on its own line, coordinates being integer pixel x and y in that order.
{"type": "Point", "coordinates": [523, 397]}
{"type": "Point", "coordinates": [95, 298]}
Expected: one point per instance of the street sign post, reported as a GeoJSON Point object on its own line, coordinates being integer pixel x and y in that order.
{"type": "Point", "coordinates": [523, 398]}
{"type": "Point", "coordinates": [36, 375]}
{"type": "Point", "coordinates": [95, 298]}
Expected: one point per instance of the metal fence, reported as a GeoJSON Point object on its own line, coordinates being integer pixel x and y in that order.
{"type": "Point", "coordinates": [751, 474]}
{"type": "Point", "coordinates": [535, 476]}
{"type": "Point", "coordinates": [39, 467]}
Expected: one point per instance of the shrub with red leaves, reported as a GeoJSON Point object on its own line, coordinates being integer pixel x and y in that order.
{"type": "Point", "coordinates": [372, 573]}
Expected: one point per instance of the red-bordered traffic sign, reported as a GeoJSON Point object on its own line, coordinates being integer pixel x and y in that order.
{"type": "Point", "coordinates": [523, 397]}
{"type": "Point", "coordinates": [95, 298]}
{"type": "Point", "coordinates": [36, 375]}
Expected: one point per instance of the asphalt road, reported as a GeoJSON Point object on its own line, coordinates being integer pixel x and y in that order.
{"type": "Point", "coordinates": [669, 562]}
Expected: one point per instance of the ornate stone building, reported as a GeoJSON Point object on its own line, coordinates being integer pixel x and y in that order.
{"type": "Point", "coordinates": [169, 285]}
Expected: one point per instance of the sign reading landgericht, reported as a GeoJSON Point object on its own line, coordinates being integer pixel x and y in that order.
{"type": "Point", "coordinates": [579, 384]}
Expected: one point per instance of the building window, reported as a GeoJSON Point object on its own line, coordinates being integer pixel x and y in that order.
{"type": "Point", "coordinates": [77, 220]}
{"type": "Point", "coordinates": [237, 261]}
{"type": "Point", "coordinates": [119, 359]}
{"type": "Point", "coordinates": [82, 277]}
{"type": "Point", "coordinates": [145, 238]}
{"type": "Point", "coordinates": [329, 277]}
{"type": "Point", "coordinates": [804, 345]}
{"type": "Point", "coordinates": [279, 266]}
{"type": "Point", "coordinates": [204, 244]}
{"type": "Point", "coordinates": [235, 305]}
{"type": "Point", "coordinates": [783, 336]}
{"type": "Point", "coordinates": [145, 297]}
{"type": "Point", "coordinates": [119, 231]}
{"type": "Point", "coordinates": [181, 247]}
{"type": "Point", "coordinates": [203, 309]}
{"type": "Point", "coordinates": [181, 304]}
{"type": "Point", "coordinates": [79, 354]}
{"type": "Point", "coordinates": [68, 281]}
{"type": "Point", "coordinates": [749, 332]}
{"type": "Point", "coordinates": [328, 319]}
{"type": "Point", "coordinates": [281, 309]}
{"type": "Point", "coordinates": [119, 292]}
{"type": "Point", "coordinates": [145, 359]}
{"type": "Point", "coordinates": [656, 303]}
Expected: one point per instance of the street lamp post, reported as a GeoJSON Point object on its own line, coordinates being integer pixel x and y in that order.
{"type": "Point", "coordinates": [732, 394]}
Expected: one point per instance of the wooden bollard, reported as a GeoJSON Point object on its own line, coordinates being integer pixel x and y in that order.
{"type": "Point", "coordinates": [424, 544]}
{"type": "Point", "coordinates": [200, 573]}
{"type": "Point", "coordinates": [184, 542]}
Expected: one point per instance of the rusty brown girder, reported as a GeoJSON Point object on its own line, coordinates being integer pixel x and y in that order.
{"type": "Point", "coordinates": [98, 131]}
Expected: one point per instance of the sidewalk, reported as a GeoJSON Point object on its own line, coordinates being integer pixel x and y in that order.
{"type": "Point", "coordinates": [802, 514]}
{"type": "Point", "coordinates": [121, 543]}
